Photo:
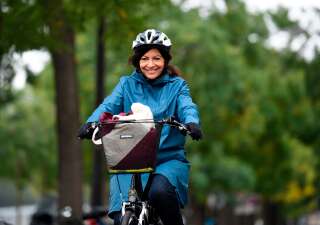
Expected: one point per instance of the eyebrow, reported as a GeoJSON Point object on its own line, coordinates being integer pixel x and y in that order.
{"type": "Point", "coordinates": [152, 56]}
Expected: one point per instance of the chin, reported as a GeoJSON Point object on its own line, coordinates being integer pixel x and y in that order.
{"type": "Point", "coordinates": [153, 76]}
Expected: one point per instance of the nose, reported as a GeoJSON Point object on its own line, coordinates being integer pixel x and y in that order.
{"type": "Point", "coordinates": [150, 62]}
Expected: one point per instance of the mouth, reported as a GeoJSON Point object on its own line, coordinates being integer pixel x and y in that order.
{"type": "Point", "coordinates": [152, 70]}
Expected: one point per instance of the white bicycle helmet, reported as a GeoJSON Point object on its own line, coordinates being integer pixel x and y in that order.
{"type": "Point", "coordinates": [151, 36]}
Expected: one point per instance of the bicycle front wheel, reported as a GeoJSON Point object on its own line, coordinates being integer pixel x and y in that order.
{"type": "Point", "coordinates": [129, 218]}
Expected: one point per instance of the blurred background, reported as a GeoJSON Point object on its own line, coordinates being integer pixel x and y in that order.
{"type": "Point", "coordinates": [253, 69]}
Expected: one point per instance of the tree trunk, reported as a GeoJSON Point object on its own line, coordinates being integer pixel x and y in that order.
{"type": "Point", "coordinates": [98, 188]}
{"type": "Point", "coordinates": [18, 206]}
{"type": "Point", "coordinates": [67, 112]}
{"type": "Point", "coordinates": [19, 188]}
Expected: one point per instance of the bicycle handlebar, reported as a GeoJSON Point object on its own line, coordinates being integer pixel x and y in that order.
{"type": "Point", "coordinates": [171, 121]}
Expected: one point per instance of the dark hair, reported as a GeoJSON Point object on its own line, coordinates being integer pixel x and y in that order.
{"type": "Point", "coordinates": [165, 53]}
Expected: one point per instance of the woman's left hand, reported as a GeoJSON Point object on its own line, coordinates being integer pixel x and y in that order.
{"type": "Point", "coordinates": [195, 131]}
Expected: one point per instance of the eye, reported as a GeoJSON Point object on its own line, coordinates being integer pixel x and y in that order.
{"type": "Point", "coordinates": [157, 58]}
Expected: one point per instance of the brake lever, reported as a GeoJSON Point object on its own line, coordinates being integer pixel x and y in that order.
{"type": "Point", "coordinates": [180, 126]}
{"type": "Point", "coordinates": [94, 125]}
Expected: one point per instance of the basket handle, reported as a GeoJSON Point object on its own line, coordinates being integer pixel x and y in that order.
{"type": "Point", "coordinates": [96, 142]}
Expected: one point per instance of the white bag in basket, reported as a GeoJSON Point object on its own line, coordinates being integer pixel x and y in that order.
{"type": "Point", "coordinates": [139, 112]}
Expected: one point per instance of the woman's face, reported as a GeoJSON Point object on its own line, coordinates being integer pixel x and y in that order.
{"type": "Point", "coordinates": [152, 64]}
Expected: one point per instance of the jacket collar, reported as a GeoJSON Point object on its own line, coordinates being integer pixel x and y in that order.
{"type": "Point", "coordinates": [142, 79]}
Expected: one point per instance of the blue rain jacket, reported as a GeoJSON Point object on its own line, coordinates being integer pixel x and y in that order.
{"type": "Point", "coordinates": [166, 96]}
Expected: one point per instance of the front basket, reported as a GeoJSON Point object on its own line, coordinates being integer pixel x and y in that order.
{"type": "Point", "coordinates": [130, 148]}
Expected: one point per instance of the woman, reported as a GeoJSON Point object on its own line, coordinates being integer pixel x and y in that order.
{"type": "Point", "coordinates": [158, 85]}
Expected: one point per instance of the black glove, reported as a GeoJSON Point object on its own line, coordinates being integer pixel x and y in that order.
{"type": "Point", "coordinates": [195, 131]}
{"type": "Point", "coordinates": [86, 131]}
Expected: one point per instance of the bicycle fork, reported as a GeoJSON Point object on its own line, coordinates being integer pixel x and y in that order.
{"type": "Point", "coordinates": [134, 203]}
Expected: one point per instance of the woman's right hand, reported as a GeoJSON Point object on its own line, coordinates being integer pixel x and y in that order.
{"type": "Point", "coordinates": [86, 131]}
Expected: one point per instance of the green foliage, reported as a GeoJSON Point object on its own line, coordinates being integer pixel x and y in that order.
{"type": "Point", "coordinates": [253, 107]}
{"type": "Point", "coordinates": [6, 78]}
{"type": "Point", "coordinates": [21, 17]}
{"type": "Point", "coordinates": [28, 139]}
{"type": "Point", "coordinates": [281, 19]}
{"type": "Point", "coordinates": [313, 79]}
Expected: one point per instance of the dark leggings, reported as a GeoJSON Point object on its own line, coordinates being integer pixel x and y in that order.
{"type": "Point", "coordinates": [163, 198]}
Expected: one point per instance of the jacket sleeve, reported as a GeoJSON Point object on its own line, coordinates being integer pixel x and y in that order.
{"type": "Point", "coordinates": [112, 103]}
{"type": "Point", "coordinates": [186, 109]}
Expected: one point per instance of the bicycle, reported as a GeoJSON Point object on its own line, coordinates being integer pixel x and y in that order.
{"type": "Point", "coordinates": [137, 210]}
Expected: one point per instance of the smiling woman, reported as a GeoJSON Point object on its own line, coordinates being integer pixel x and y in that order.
{"type": "Point", "coordinates": [156, 84]}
